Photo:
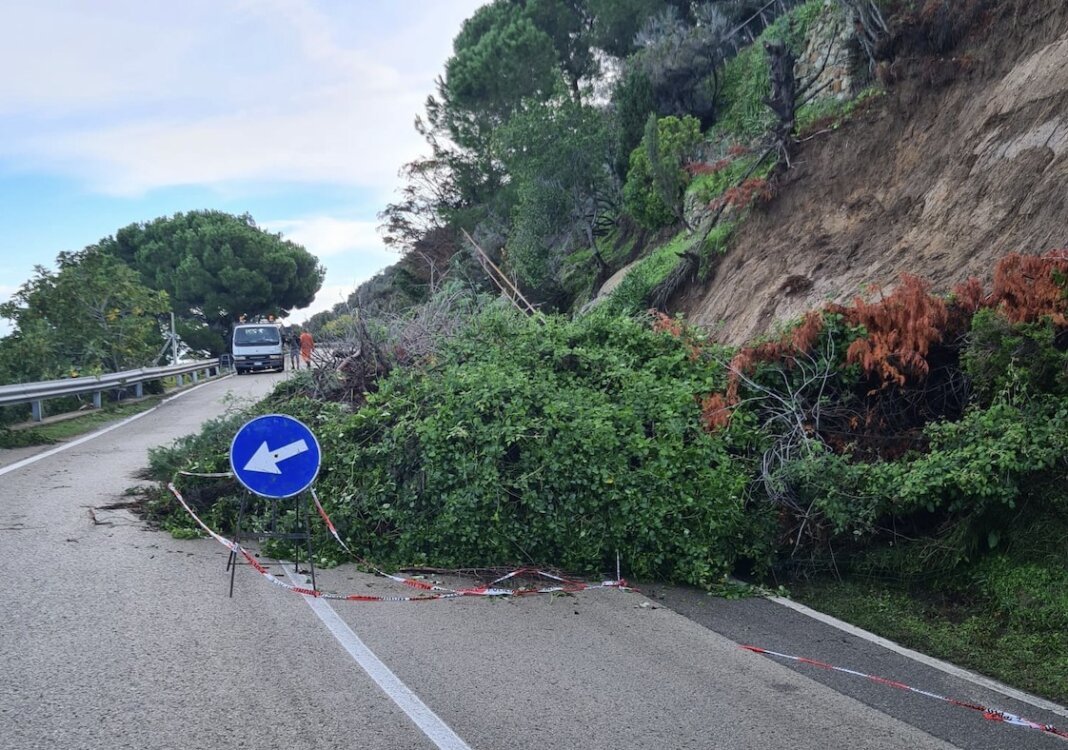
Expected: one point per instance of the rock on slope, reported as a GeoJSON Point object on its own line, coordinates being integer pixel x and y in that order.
{"type": "Point", "coordinates": [964, 160]}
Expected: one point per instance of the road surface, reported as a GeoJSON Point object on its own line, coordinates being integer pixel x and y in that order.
{"type": "Point", "coordinates": [116, 636]}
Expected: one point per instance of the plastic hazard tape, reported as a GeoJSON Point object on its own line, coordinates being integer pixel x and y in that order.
{"type": "Point", "coordinates": [434, 592]}
{"type": "Point", "coordinates": [565, 585]}
{"type": "Point", "coordinates": [991, 714]}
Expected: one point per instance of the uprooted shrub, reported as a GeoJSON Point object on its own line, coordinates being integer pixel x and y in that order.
{"type": "Point", "coordinates": [545, 441]}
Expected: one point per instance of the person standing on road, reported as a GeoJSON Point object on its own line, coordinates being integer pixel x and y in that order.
{"type": "Point", "coordinates": [306, 346]}
{"type": "Point", "coordinates": [294, 351]}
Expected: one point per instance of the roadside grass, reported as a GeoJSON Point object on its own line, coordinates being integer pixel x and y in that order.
{"type": "Point", "coordinates": [972, 633]}
{"type": "Point", "coordinates": [65, 429]}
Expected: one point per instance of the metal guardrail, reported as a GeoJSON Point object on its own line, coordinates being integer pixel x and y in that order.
{"type": "Point", "coordinates": [37, 393]}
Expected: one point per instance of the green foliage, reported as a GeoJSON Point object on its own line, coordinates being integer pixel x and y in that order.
{"type": "Point", "coordinates": [206, 451]}
{"type": "Point", "coordinates": [92, 315]}
{"type": "Point", "coordinates": [708, 186]}
{"type": "Point", "coordinates": [1028, 594]}
{"type": "Point", "coordinates": [536, 247]}
{"type": "Point", "coordinates": [530, 440]}
{"type": "Point", "coordinates": [680, 58]}
{"type": "Point", "coordinates": [567, 23]}
{"type": "Point", "coordinates": [500, 58]}
{"type": "Point", "coordinates": [978, 471]}
{"type": "Point", "coordinates": [216, 500]}
{"type": "Point", "coordinates": [21, 438]}
{"type": "Point", "coordinates": [746, 82]}
{"type": "Point", "coordinates": [558, 155]}
{"type": "Point", "coordinates": [715, 242]}
{"type": "Point", "coordinates": [631, 297]}
{"type": "Point", "coordinates": [831, 113]}
{"type": "Point", "coordinates": [1003, 358]}
{"type": "Point", "coordinates": [983, 462]}
{"type": "Point", "coordinates": [616, 23]}
{"type": "Point", "coordinates": [215, 267]}
{"type": "Point", "coordinates": [656, 180]}
{"type": "Point", "coordinates": [632, 99]}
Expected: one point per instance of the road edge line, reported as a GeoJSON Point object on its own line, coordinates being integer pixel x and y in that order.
{"type": "Point", "coordinates": [429, 723]}
{"type": "Point", "coordinates": [102, 431]}
{"type": "Point", "coordinates": [930, 661]}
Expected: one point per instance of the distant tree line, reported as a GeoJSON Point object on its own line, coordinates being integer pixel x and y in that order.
{"type": "Point", "coordinates": [107, 307]}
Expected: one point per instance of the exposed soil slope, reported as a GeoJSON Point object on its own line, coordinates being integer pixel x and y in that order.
{"type": "Point", "coordinates": [964, 160]}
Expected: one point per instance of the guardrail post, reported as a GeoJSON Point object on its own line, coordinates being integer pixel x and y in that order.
{"type": "Point", "coordinates": [179, 380]}
{"type": "Point", "coordinates": [195, 378]}
{"type": "Point", "coordinates": [98, 401]}
{"type": "Point", "coordinates": [139, 390]}
{"type": "Point", "coordinates": [37, 407]}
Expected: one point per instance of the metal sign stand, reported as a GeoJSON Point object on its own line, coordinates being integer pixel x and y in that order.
{"type": "Point", "coordinates": [274, 533]}
{"type": "Point", "coordinates": [275, 456]}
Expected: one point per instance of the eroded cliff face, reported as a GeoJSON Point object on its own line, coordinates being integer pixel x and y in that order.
{"type": "Point", "coordinates": [963, 161]}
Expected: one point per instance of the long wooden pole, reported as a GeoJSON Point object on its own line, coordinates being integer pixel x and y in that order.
{"type": "Point", "coordinates": [498, 276]}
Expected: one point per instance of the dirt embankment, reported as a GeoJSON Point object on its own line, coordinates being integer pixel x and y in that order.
{"type": "Point", "coordinates": [964, 160]}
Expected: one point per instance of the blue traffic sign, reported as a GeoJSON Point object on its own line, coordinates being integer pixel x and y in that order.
{"type": "Point", "coordinates": [275, 456]}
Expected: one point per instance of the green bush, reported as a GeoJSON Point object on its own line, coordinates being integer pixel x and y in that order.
{"type": "Point", "coordinates": [543, 441]}
{"type": "Point", "coordinates": [1005, 358]}
{"type": "Point", "coordinates": [981, 463]}
{"type": "Point", "coordinates": [656, 180]}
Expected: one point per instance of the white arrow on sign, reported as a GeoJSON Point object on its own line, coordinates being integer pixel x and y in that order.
{"type": "Point", "coordinates": [266, 460]}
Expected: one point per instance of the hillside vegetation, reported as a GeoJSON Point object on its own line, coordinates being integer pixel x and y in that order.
{"type": "Point", "coordinates": [519, 388]}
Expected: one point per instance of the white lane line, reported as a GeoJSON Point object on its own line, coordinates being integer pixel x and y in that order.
{"type": "Point", "coordinates": [98, 433]}
{"type": "Point", "coordinates": [930, 661]}
{"type": "Point", "coordinates": [428, 722]}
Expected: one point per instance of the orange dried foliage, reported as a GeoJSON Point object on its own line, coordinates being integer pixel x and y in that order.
{"type": "Point", "coordinates": [737, 149]}
{"type": "Point", "coordinates": [1026, 288]}
{"type": "Point", "coordinates": [786, 350]}
{"type": "Point", "coordinates": [804, 337]}
{"type": "Point", "coordinates": [665, 324]}
{"type": "Point", "coordinates": [700, 167]}
{"type": "Point", "coordinates": [901, 328]}
{"type": "Point", "coordinates": [744, 194]}
{"type": "Point", "coordinates": [970, 296]}
{"type": "Point", "coordinates": [715, 412]}
{"type": "Point", "coordinates": [1030, 287]}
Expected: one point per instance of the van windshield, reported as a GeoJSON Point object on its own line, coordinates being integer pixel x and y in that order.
{"type": "Point", "coordinates": [256, 336]}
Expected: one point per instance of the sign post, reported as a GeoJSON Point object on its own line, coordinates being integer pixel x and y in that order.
{"type": "Point", "coordinates": [275, 456]}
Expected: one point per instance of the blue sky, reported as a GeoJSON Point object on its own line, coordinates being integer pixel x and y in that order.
{"type": "Point", "coordinates": [298, 112]}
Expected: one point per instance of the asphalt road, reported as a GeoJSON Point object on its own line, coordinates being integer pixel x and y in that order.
{"type": "Point", "coordinates": [116, 636]}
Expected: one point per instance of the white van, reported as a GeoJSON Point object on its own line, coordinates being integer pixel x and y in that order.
{"type": "Point", "coordinates": [257, 346]}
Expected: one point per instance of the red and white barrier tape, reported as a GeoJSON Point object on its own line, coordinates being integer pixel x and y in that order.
{"type": "Point", "coordinates": [566, 586]}
{"type": "Point", "coordinates": [438, 592]}
{"type": "Point", "coordinates": [991, 714]}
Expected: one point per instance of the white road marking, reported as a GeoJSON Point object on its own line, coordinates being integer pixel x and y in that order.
{"type": "Point", "coordinates": [428, 722]}
{"type": "Point", "coordinates": [930, 661]}
{"type": "Point", "coordinates": [98, 433]}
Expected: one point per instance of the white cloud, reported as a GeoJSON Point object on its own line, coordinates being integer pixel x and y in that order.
{"type": "Point", "coordinates": [350, 249]}
{"type": "Point", "coordinates": [132, 96]}
{"type": "Point", "coordinates": [322, 142]}
{"type": "Point", "coordinates": [328, 296]}
{"type": "Point", "coordinates": [327, 236]}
